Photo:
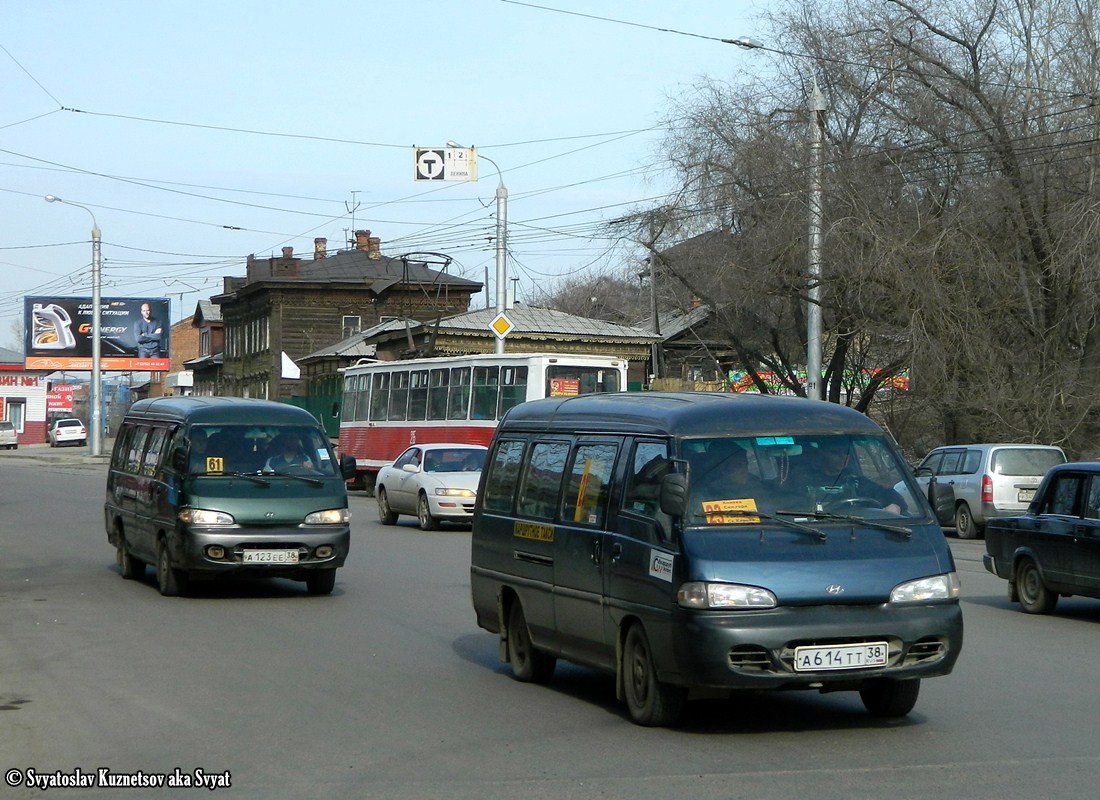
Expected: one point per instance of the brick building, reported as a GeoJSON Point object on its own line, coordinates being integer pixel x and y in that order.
{"type": "Point", "coordinates": [286, 308]}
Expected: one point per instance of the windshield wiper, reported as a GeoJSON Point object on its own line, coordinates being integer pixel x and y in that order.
{"type": "Point", "coordinates": [252, 476]}
{"type": "Point", "coordinates": [306, 478]}
{"type": "Point", "coordinates": [908, 532]}
{"type": "Point", "coordinates": [819, 534]}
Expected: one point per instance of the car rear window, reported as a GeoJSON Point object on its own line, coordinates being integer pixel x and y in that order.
{"type": "Point", "coordinates": [69, 423]}
{"type": "Point", "coordinates": [7, 426]}
{"type": "Point", "coordinates": [1025, 461]}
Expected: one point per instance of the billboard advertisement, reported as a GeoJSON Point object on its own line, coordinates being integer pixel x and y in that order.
{"type": "Point", "coordinates": [133, 334]}
{"type": "Point", "coordinates": [59, 399]}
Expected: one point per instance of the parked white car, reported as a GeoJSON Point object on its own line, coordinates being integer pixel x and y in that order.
{"type": "Point", "coordinates": [67, 431]}
{"type": "Point", "coordinates": [431, 481]}
{"type": "Point", "coordinates": [9, 436]}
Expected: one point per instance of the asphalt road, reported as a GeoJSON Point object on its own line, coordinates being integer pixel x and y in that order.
{"type": "Point", "coordinates": [388, 689]}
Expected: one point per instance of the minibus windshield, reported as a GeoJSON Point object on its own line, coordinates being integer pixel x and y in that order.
{"type": "Point", "coordinates": [823, 477]}
{"type": "Point", "coordinates": [297, 451]}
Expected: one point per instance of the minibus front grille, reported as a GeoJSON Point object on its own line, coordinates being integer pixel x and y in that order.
{"type": "Point", "coordinates": [751, 658]}
{"type": "Point", "coordinates": [926, 650]}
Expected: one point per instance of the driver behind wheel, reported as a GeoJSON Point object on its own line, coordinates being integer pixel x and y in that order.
{"type": "Point", "coordinates": [840, 481]}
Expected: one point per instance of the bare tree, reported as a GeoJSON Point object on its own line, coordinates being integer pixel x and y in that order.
{"type": "Point", "coordinates": [961, 200]}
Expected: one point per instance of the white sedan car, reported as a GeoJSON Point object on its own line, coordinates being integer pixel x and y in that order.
{"type": "Point", "coordinates": [67, 431]}
{"type": "Point", "coordinates": [431, 481]}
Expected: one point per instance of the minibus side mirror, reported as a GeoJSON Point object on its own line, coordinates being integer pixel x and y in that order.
{"type": "Point", "coordinates": [347, 467]}
{"type": "Point", "coordinates": [179, 459]}
{"type": "Point", "coordinates": [673, 496]}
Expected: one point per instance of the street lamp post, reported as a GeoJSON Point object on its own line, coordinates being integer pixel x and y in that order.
{"type": "Point", "coordinates": [95, 422]}
{"type": "Point", "coordinates": [502, 243]}
{"type": "Point", "coordinates": [816, 106]}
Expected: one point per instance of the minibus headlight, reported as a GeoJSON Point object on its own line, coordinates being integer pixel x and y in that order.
{"type": "Point", "coordinates": [454, 492]}
{"type": "Point", "coordinates": [937, 587]}
{"type": "Point", "coordinates": [698, 594]}
{"type": "Point", "coordinates": [331, 516]}
{"type": "Point", "coordinates": [202, 516]}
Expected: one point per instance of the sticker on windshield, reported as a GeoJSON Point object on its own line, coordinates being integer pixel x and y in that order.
{"type": "Point", "coordinates": [660, 565]}
{"type": "Point", "coordinates": [717, 511]}
{"type": "Point", "coordinates": [215, 465]}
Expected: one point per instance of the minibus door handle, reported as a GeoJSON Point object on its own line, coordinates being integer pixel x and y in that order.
{"type": "Point", "coordinates": [597, 547]}
{"type": "Point", "coordinates": [616, 551]}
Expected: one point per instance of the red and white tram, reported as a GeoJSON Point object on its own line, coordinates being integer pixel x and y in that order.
{"type": "Point", "coordinates": [389, 405]}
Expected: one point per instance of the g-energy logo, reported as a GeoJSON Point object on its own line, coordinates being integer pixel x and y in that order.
{"type": "Point", "coordinates": [660, 566]}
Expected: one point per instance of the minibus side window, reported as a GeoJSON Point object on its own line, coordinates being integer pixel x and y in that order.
{"type": "Point", "coordinates": [122, 447]}
{"type": "Point", "coordinates": [137, 446]}
{"type": "Point", "coordinates": [585, 498]}
{"type": "Point", "coordinates": [504, 470]}
{"type": "Point", "coordinates": [153, 450]}
{"type": "Point", "coordinates": [649, 464]}
{"type": "Point", "coordinates": [538, 492]}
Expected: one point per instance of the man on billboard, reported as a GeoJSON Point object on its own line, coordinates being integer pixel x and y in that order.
{"type": "Point", "coordinates": [147, 332]}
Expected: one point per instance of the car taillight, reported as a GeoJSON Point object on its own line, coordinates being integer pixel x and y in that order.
{"type": "Point", "coordinates": [987, 489]}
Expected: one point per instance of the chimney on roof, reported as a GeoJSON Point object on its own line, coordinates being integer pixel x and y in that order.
{"type": "Point", "coordinates": [695, 301]}
{"type": "Point", "coordinates": [371, 245]}
{"type": "Point", "coordinates": [284, 267]}
{"type": "Point", "coordinates": [320, 248]}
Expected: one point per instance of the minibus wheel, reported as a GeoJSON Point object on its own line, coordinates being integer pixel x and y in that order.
{"type": "Point", "coordinates": [650, 702]}
{"type": "Point", "coordinates": [131, 568]}
{"type": "Point", "coordinates": [320, 582]}
{"type": "Point", "coordinates": [886, 697]}
{"type": "Point", "coordinates": [529, 664]}
{"type": "Point", "coordinates": [170, 581]}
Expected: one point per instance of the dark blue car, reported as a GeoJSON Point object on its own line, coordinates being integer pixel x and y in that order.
{"type": "Point", "coordinates": [1054, 549]}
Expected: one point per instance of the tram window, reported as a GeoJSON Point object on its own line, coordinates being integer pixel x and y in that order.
{"type": "Point", "coordinates": [399, 395]}
{"type": "Point", "coordinates": [418, 394]}
{"type": "Point", "coordinates": [438, 387]}
{"type": "Point", "coordinates": [484, 404]}
{"type": "Point", "coordinates": [380, 396]}
{"type": "Point", "coordinates": [458, 400]}
{"type": "Point", "coordinates": [513, 388]}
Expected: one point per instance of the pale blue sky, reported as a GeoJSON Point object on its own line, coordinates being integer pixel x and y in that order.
{"type": "Point", "coordinates": [205, 131]}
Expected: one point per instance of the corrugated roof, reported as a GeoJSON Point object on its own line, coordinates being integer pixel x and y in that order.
{"type": "Point", "coordinates": [533, 321]}
{"type": "Point", "coordinates": [355, 265]}
{"type": "Point", "coordinates": [528, 321]}
{"type": "Point", "coordinates": [673, 323]}
{"type": "Point", "coordinates": [356, 346]}
{"type": "Point", "coordinates": [208, 312]}
{"type": "Point", "coordinates": [9, 356]}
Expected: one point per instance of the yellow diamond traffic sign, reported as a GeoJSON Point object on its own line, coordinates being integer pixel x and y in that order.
{"type": "Point", "coordinates": [501, 325]}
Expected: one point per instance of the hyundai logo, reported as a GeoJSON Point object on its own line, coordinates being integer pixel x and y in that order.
{"type": "Point", "coordinates": [834, 588]}
{"type": "Point", "coordinates": [269, 514]}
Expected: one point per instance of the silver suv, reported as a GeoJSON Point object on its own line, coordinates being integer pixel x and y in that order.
{"type": "Point", "coordinates": [9, 436]}
{"type": "Point", "coordinates": [987, 480]}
